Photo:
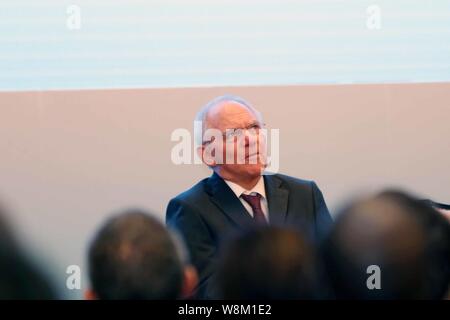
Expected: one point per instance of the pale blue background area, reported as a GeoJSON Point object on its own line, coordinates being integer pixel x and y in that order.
{"type": "Point", "coordinates": [167, 43]}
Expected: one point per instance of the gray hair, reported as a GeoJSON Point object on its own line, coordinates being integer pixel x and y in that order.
{"type": "Point", "coordinates": [203, 113]}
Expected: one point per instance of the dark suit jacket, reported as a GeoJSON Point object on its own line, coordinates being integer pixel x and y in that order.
{"type": "Point", "coordinates": [209, 211]}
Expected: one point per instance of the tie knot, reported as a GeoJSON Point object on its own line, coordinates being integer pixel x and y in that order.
{"type": "Point", "coordinates": [253, 200]}
{"type": "Point", "coordinates": [255, 203]}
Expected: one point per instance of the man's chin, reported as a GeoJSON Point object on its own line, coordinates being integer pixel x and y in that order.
{"type": "Point", "coordinates": [245, 170]}
{"type": "Point", "coordinates": [253, 170]}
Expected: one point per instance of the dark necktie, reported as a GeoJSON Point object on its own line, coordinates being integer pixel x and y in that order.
{"type": "Point", "coordinates": [255, 203]}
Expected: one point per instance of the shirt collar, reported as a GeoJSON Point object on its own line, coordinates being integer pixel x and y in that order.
{"type": "Point", "coordinates": [238, 190]}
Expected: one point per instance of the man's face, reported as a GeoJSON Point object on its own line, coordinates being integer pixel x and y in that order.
{"type": "Point", "coordinates": [243, 150]}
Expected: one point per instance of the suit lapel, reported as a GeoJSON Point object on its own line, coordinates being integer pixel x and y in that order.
{"type": "Point", "coordinates": [277, 198]}
{"type": "Point", "coordinates": [226, 200]}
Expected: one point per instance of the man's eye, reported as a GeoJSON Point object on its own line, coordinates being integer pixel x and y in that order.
{"type": "Point", "coordinates": [231, 133]}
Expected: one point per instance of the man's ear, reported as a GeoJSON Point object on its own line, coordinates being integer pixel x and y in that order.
{"type": "Point", "coordinates": [200, 150]}
{"type": "Point", "coordinates": [90, 295]}
{"type": "Point", "coordinates": [206, 159]}
{"type": "Point", "coordinates": [190, 281]}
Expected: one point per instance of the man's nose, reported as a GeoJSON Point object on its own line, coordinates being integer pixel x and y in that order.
{"type": "Point", "coordinates": [251, 139]}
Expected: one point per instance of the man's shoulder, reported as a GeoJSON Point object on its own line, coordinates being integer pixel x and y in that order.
{"type": "Point", "coordinates": [292, 182]}
{"type": "Point", "coordinates": [194, 194]}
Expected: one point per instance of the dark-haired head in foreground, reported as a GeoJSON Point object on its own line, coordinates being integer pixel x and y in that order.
{"type": "Point", "coordinates": [391, 231]}
{"type": "Point", "coordinates": [267, 263]}
{"type": "Point", "coordinates": [437, 228]}
{"type": "Point", "coordinates": [20, 278]}
{"type": "Point", "coordinates": [133, 257]}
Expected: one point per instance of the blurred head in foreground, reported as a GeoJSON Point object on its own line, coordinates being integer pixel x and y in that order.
{"type": "Point", "coordinates": [431, 216]}
{"type": "Point", "coordinates": [20, 278]}
{"type": "Point", "coordinates": [267, 263]}
{"type": "Point", "coordinates": [387, 247]}
{"type": "Point", "coordinates": [133, 257]}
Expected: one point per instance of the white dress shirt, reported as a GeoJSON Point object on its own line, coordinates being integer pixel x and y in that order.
{"type": "Point", "coordinates": [258, 188]}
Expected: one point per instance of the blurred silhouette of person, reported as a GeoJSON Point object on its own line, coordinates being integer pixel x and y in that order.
{"type": "Point", "coordinates": [20, 277]}
{"type": "Point", "coordinates": [437, 229]}
{"type": "Point", "coordinates": [380, 233]}
{"type": "Point", "coordinates": [267, 263]}
{"type": "Point", "coordinates": [134, 257]}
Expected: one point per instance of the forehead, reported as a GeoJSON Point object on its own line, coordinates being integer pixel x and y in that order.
{"type": "Point", "coordinates": [230, 114]}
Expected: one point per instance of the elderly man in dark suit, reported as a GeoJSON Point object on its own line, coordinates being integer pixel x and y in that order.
{"type": "Point", "coordinates": [239, 195]}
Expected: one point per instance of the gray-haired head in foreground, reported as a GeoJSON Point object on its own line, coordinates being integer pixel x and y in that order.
{"type": "Point", "coordinates": [203, 113]}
